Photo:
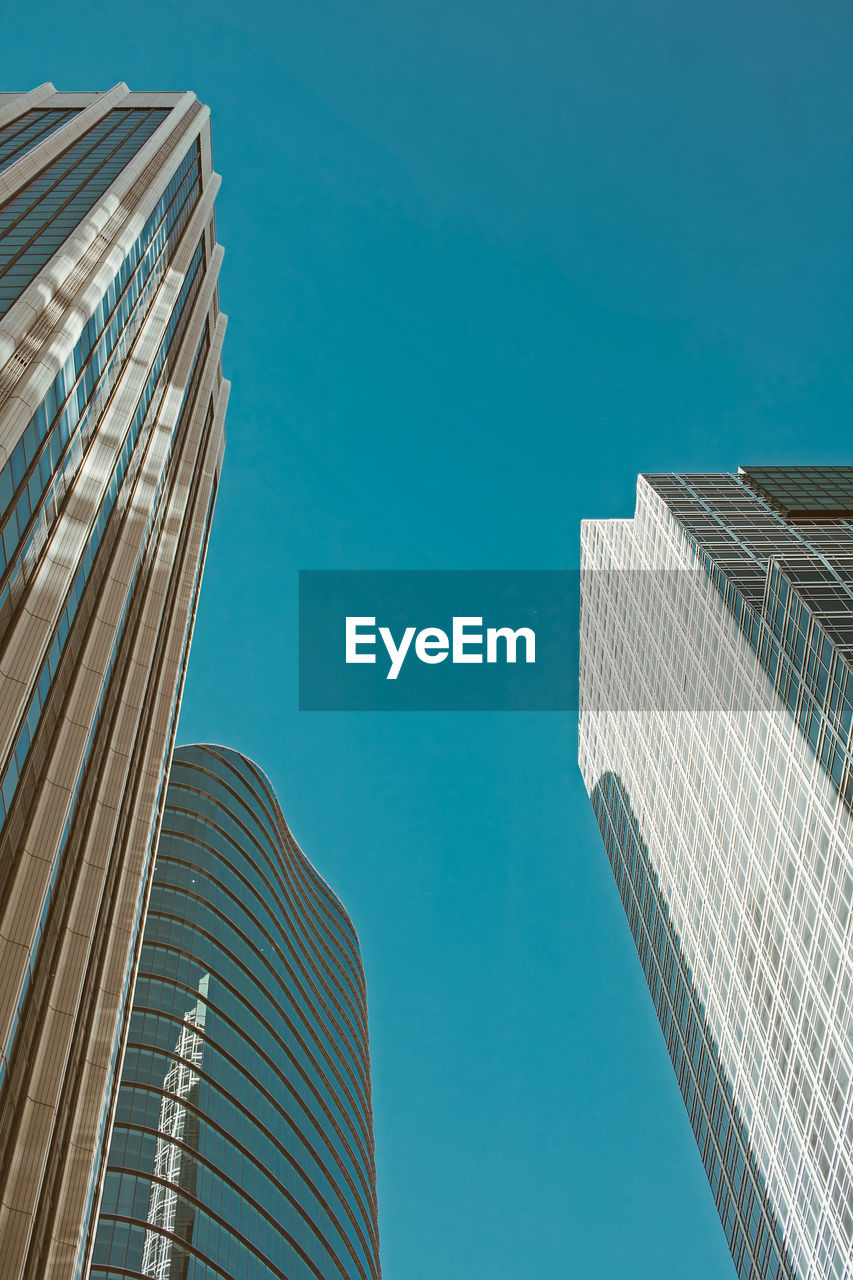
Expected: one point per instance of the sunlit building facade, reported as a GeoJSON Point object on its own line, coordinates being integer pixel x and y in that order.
{"type": "Point", "coordinates": [715, 743]}
{"type": "Point", "coordinates": [243, 1139]}
{"type": "Point", "coordinates": [111, 434]}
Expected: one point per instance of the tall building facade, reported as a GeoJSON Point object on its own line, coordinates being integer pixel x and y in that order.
{"type": "Point", "coordinates": [111, 434]}
{"type": "Point", "coordinates": [243, 1138]}
{"type": "Point", "coordinates": [715, 743]}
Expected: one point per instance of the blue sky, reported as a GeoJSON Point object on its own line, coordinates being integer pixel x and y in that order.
{"type": "Point", "coordinates": [486, 262]}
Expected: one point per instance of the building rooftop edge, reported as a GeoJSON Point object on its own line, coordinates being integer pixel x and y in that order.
{"type": "Point", "coordinates": [223, 747]}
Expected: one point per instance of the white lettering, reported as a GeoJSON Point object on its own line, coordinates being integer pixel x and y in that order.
{"type": "Point", "coordinates": [397, 655]}
{"type": "Point", "coordinates": [511, 638]}
{"type": "Point", "coordinates": [431, 645]}
{"type": "Point", "coordinates": [461, 637]}
{"type": "Point", "coordinates": [354, 639]}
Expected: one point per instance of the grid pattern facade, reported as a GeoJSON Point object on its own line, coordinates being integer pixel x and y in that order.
{"type": "Point", "coordinates": [752, 1231]}
{"type": "Point", "coordinates": [111, 435]}
{"type": "Point", "coordinates": [243, 1142]}
{"type": "Point", "coordinates": [715, 683]}
{"type": "Point", "coordinates": [42, 215]}
{"type": "Point", "coordinates": [804, 492]}
{"type": "Point", "coordinates": [28, 130]}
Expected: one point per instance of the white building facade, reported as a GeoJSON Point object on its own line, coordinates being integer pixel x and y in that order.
{"type": "Point", "coordinates": [716, 702]}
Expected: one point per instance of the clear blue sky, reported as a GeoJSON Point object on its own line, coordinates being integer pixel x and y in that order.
{"type": "Point", "coordinates": [485, 262]}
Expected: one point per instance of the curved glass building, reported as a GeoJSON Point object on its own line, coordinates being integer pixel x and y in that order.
{"type": "Point", "coordinates": [242, 1145]}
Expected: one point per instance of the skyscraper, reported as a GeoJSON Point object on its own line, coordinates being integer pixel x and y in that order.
{"type": "Point", "coordinates": [111, 434]}
{"type": "Point", "coordinates": [243, 1138]}
{"type": "Point", "coordinates": [716, 711]}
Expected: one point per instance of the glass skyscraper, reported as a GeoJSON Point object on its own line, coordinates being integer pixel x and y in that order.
{"type": "Point", "coordinates": [243, 1137]}
{"type": "Point", "coordinates": [112, 403]}
{"type": "Point", "coordinates": [715, 743]}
